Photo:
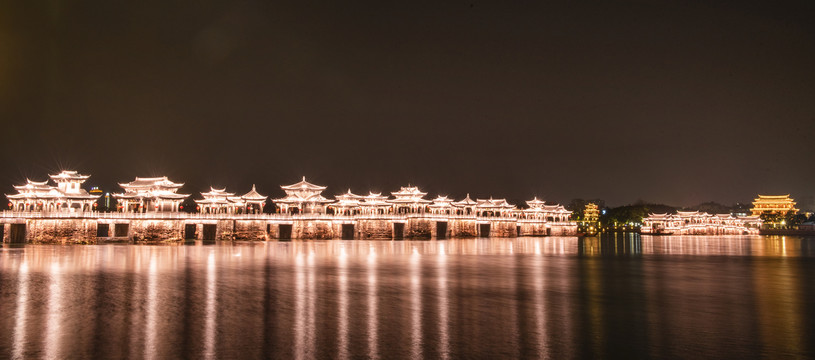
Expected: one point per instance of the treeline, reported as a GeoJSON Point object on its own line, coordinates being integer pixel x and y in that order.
{"type": "Point", "coordinates": [630, 216]}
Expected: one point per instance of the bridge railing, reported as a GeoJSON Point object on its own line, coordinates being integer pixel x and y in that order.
{"type": "Point", "coordinates": [285, 217]}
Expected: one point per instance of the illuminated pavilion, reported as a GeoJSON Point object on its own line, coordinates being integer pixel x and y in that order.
{"type": "Point", "coordinates": [375, 204]}
{"type": "Point", "coordinates": [347, 204]}
{"type": "Point", "coordinates": [494, 207]}
{"type": "Point", "coordinates": [466, 206]}
{"type": "Point", "coordinates": [539, 210]}
{"type": "Point", "coordinates": [775, 204]}
{"type": "Point", "coordinates": [409, 200]}
{"type": "Point", "coordinates": [302, 198]}
{"type": "Point", "coordinates": [68, 195]}
{"type": "Point", "coordinates": [150, 194]}
{"type": "Point", "coordinates": [218, 201]}
{"type": "Point", "coordinates": [254, 201]}
{"type": "Point", "coordinates": [442, 205]}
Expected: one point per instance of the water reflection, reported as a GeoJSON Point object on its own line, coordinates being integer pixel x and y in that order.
{"type": "Point", "coordinates": [553, 297]}
{"type": "Point", "coordinates": [53, 331]}
{"type": "Point", "coordinates": [18, 345]}
{"type": "Point", "coordinates": [373, 319]}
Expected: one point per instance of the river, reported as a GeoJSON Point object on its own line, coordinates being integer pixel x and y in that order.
{"type": "Point", "coordinates": [622, 296]}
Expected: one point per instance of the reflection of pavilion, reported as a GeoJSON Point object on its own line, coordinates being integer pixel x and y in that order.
{"type": "Point", "coordinates": [150, 194]}
{"type": "Point", "coordinates": [67, 195]}
{"type": "Point", "coordinates": [302, 198]}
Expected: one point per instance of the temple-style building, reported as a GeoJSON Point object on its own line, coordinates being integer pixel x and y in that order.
{"type": "Point", "coordinates": [538, 210]}
{"type": "Point", "coordinates": [699, 223]}
{"type": "Point", "coordinates": [218, 201]}
{"type": "Point", "coordinates": [254, 201]}
{"type": "Point", "coordinates": [347, 204]}
{"type": "Point", "coordinates": [774, 204]}
{"type": "Point", "coordinates": [375, 204]}
{"type": "Point", "coordinates": [442, 205]}
{"type": "Point", "coordinates": [302, 198]}
{"type": "Point", "coordinates": [150, 194]}
{"type": "Point", "coordinates": [68, 195]}
{"type": "Point", "coordinates": [591, 214]}
{"type": "Point", "coordinates": [466, 206]}
{"type": "Point", "coordinates": [494, 207]}
{"type": "Point", "coordinates": [409, 200]}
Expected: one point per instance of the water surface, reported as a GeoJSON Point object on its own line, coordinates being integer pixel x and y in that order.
{"type": "Point", "coordinates": [552, 297]}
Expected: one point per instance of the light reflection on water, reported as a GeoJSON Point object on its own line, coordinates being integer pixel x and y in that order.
{"type": "Point", "coordinates": [552, 297]}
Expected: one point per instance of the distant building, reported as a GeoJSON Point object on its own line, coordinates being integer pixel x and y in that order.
{"type": "Point", "coordinates": [68, 195]}
{"type": "Point", "coordinates": [591, 214]}
{"type": "Point", "coordinates": [774, 204]}
{"type": "Point", "coordinates": [149, 195]}
{"type": "Point", "coordinates": [699, 223]}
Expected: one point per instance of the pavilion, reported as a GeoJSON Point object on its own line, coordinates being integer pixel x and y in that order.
{"type": "Point", "coordinates": [302, 198]}
{"type": "Point", "coordinates": [409, 200]}
{"type": "Point", "coordinates": [347, 204]}
{"type": "Point", "coordinates": [150, 194]}
{"type": "Point", "coordinates": [442, 205]}
{"type": "Point", "coordinates": [774, 204]}
{"type": "Point", "coordinates": [375, 204]}
{"type": "Point", "coordinates": [466, 206]}
{"type": "Point", "coordinates": [494, 207]}
{"type": "Point", "coordinates": [538, 210]}
{"type": "Point", "coordinates": [68, 195]}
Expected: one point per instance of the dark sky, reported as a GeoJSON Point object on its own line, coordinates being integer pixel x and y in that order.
{"type": "Point", "coordinates": [666, 101]}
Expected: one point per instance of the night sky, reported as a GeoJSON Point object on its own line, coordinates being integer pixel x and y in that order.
{"type": "Point", "coordinates": [676, 102]}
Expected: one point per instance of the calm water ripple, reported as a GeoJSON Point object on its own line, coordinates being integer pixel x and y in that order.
{"type": "Point", "coordinates": [553, 297]}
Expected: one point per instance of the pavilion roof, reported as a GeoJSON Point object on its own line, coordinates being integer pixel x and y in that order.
{"type": "Point", "coordinates": [535, 202]}
{"type": "Point", "coordinates": [374, 199]}
{"type": "Point", "coordinates": [217, 193]}
{"type": "Point", "coordinates": [303, 185]}
{"type": "Point", "coordinates": [296, 198]}
{"type": "Point", "coordinates": [409, 201]}
{"type": "Point", "coordinates": [34, 185]}
{"type": "Point", "coordinates": [774, 197]}
{"type": "Point", "coordinates": [253, 195]}
{"type": "Point", "coordinates": [442, 201]}
{"type": "Point", "coordinates": [349, 196]}
{"type": "Point", "coordinates": [41, 190]}
{"type": "Point", "coordinates": [219, 201]}
{"type": "Point", "coordinates": [493, 203]}
{"type": "Point", "coordinates": [150, 195]}
{"type": "Point", "coordinates": [465, 202]}
{"type": "Point", "coordinates": [69, 175]}
{"type": "Point", "coordinates": [409, 191]}
{"type": "Point", "coordinates": [152, 182]}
